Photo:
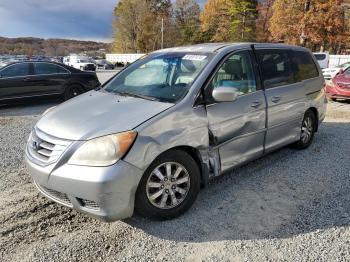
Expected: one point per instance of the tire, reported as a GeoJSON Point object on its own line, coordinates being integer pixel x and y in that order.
{"type": "Point", "coordinates": [73, 91]}
{"type": "Point", "coordinates": [307, 132]}
{"type": "Point", "coordinates": [178, 197]}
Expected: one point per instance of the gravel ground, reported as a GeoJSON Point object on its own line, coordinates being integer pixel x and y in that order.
{"type": "Point", "coordinates": [288, 206]}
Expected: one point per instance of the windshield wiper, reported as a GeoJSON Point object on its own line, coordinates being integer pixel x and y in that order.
{"type": "Point", "coordinates": [123, 93]}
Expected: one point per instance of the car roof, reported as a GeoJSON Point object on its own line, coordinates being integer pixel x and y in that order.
{"type": "Point", "coordinates": [71, 69]}
{"type": "Point", "coordinates": [217, 47]}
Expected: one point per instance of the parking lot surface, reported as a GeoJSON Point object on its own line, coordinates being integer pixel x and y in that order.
{"type": "Point", "coordinates": [287, 206]}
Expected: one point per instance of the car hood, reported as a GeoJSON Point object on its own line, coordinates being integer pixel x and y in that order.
{"type": "Point", "coordinates": [96, 114]}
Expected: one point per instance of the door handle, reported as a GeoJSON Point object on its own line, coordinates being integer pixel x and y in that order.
{"type": "Point", "coordinates": [27, 79]}
{"type": "Point", "coordinates": [256, 104]}
{"type": "Point", "coordinates": [275, 99]}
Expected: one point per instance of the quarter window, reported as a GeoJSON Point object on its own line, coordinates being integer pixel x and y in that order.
{"type": "Point", "coordinates": [236, 72]}
{"type": "Point", "coordinates": [305, 67]}
{"type": "Point", "coordinates": [276, 68]}
{"type": "Point", "coordinates": [16, 70]}
{"type": "Point", "coordinates": [48, 69]}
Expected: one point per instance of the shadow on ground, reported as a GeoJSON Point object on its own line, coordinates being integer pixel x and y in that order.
{"type": "Point", "coordinates": [286, 193]}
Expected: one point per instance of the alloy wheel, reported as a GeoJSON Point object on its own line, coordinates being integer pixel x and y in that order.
{"type": "Point", "coordinates": [307, 129]}
{"type": "Point", "coordinates": [168, 185]}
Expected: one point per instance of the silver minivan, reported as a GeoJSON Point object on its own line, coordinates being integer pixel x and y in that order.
{"type": "Point", "coordinates": [149, 138]}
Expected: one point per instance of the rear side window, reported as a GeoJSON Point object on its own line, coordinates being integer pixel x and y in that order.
{"type": "Point", "coordinates": [304, 66]}
{"type": "Point", "coordinates": [16, 70]}
{"type": "Point", "coordinates": [276, 68]}
{"type": "Point", "coordinates": [48, 69]}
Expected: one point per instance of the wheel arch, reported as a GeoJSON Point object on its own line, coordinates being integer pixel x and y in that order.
{"type": "Point", "coordinates": [197, 157]}
{"type": "Point", "coordinates": [315, 112]}
{"type": "Point", "coordinates": [69, 84]}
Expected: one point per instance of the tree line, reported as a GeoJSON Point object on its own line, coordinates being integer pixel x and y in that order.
{"type": "Point", "coordinates": [146, 25]}
{"type": "Point", "coordinates": [48, 47]}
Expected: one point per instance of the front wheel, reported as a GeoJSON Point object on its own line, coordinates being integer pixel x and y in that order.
{"type": "Point", "coordinates": [73, 91]}
{"type": "Point", "coordinates": [169, 186]}
{"type": "Point", "coordinates": [307, 133]}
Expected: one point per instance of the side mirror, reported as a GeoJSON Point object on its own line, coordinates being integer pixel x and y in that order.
{"type": "Point", "coordinates": [341, 71]}
{"type": "Point", "coordinates": [225, 94]}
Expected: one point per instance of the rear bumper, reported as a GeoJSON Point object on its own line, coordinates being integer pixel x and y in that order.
{"type": "Point", "coordinates": [106, 193]}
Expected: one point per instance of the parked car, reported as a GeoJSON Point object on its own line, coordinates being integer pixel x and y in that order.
{"type": "Point", "coordinates": [331, 72]}
{"type": "Point", "coordinates": [339, 86]}
{"type": "Point", "coordinates": [35, 78]}
{"type": "Point", "coordinates": [104, 64]}
{"type": "Point", "coordinates": [80, 62]}
{"type": "Point", "coordinates": [322, 59]}
{"type": "Point", "coordinates": [119, 65]}
{"type": "Point", "coordinates": [165, 125]}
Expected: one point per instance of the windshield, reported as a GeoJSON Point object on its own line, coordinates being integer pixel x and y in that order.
{"type": "Point", "coordinates": [164, 77]}
{"type": "Point", "coordinates": [344, 66]}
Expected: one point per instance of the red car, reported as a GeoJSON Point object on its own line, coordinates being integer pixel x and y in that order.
{"type": "Point", "coordinates": [339, 86]}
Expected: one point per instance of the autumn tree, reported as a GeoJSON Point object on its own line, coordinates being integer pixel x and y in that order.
{"type": "Point", "coordinates": [317, 24]}
{"type": "Point", "coordinates": [285, 23]}
{"type": "Point", "coordinates": [186, 19]}
{"type": "Point", "coordinates": [138, 25]}
{"type": "Point", "coordinates": [265, 12]}
{"type": "Point", "coordinates": [325, 24]}
{"type": "Point", "coordinates": [216, 21]}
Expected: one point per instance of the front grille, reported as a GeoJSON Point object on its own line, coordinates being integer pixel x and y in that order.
{"type": "Point", "coordinates": [55, 195]}
{"type": "Point", "coordinates": [89, 204]}
{"type": "Point", "coordinates": [45, 149]}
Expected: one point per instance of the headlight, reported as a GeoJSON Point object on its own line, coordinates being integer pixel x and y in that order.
{"type": "Point", "coordinates": [103, 151]}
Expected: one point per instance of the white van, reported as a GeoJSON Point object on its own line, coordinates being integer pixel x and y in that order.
{"type": "Point", "coordinates": [79, 62]}
{"type": "Point", "coordinates": [322, 59]}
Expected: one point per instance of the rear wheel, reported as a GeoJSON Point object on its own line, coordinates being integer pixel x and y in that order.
{"type": "Point", "coordinates": [73, 91]}
{"type": "Point", "coordinates": [169, 186]}
{"type": "Point", "coordinates": [307, 133]}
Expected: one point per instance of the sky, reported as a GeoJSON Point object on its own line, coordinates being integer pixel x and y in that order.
{"type": "Point", "coordinates": [71, 19]}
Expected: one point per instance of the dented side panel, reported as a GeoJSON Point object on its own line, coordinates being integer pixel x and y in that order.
{"type": "Point", "coordinates": [238, 129]}
{"type": "Point", "coordinates": [184, 126]}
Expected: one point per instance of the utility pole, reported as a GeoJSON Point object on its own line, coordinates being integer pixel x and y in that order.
{"type": "Point", "coordinates": [162, 30]}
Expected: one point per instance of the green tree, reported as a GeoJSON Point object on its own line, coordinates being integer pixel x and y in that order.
{"type": "Point", "coordinates": [243, 18]}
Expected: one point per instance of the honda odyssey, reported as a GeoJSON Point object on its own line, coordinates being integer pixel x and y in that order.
{"type": "Point", "coordinates": [149, 138]}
